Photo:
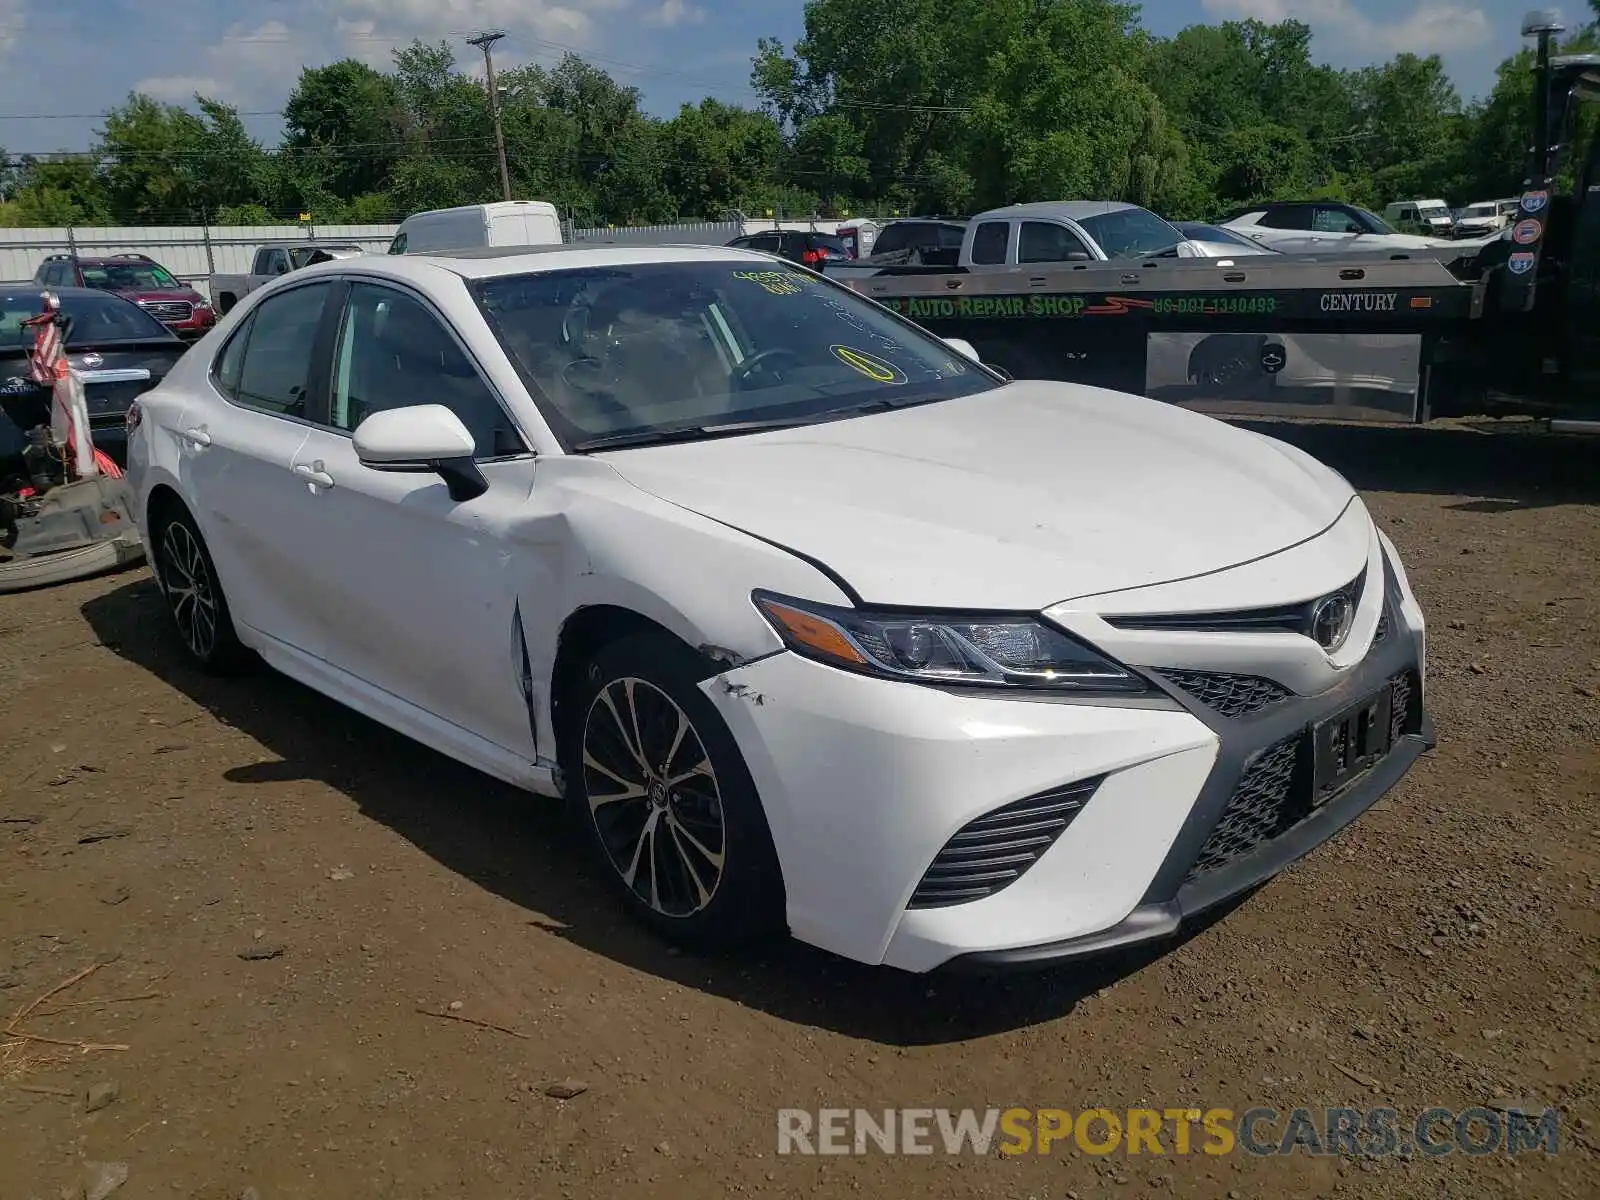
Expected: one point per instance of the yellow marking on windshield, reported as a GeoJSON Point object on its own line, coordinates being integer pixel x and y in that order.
{"type": "Point", "coordinates": [779, 283]}
{"type": "Point", "coordinates": [874, 368]}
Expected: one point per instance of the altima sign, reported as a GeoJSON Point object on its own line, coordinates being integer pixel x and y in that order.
{"type": "Point", "coordinates": [1359, 301]}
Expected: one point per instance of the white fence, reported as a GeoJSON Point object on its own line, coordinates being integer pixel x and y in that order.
{"type": "Point", "coordinates": [196, 252]}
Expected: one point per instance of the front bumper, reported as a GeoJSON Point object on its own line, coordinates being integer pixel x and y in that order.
{"type": "Point", "coordinates": [865, 782]}
{"type": "Point", "coordinates": [194, 328]}
{"type": "Point", "coordinates": [1162, 920]}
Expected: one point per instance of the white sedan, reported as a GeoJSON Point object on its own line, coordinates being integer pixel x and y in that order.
{"type": "Point", "coordinates": [814, 621]}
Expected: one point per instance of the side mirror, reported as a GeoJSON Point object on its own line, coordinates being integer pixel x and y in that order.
{"type": "Point", "coordinates": [964, 348]}
{"type": "Point", "coordinates": [422, 438]}
{"type": "Point", "coordinates": [1077, 256]}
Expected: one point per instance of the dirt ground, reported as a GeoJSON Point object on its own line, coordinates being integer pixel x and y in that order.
{"type": "Point", "coordinates": [269, 891]}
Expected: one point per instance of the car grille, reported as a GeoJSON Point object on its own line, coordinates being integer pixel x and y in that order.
{"type": "Point", "coordinates": [993, 851]}
{"type": "Point", "coordinates": [168, 310]}
{"type": "Point", "coordinates": [1230, 695]}
{"type": "Point", "coordinates": [1292, 618]}
{"type": "Point", "coordinates": [1274, 792]}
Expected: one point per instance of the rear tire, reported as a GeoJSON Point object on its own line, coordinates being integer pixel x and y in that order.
{"type": "Point", "coordinates": [194, 596]}
{"type": "Point", "coordinates": [657, 783]}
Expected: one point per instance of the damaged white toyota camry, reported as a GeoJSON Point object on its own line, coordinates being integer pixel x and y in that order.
{"type": "Point", "coordinates": [816, 623]}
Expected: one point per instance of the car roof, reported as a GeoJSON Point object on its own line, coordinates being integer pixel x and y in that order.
{"type": "Point", "coordinates": [490, 262]}
{"type": "Point", "coordinates": [1070, 210]}
{"type": "Point", "coordinates": [485, 262]}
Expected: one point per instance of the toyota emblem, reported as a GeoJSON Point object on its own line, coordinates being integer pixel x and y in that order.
{"type": "Point", "coordinates": [1331, 620]}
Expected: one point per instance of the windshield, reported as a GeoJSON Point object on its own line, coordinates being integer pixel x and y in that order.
{"type": "Point", "coordinates": [1373, 222]}
{"type": "Point", "coordinates": [1215, 233]}
{"type": "Point", "coordinates": [1130, 232]}
{"type": "Point", "coordinates": [1479, 210]}
{"type": "Point", "coordinates": [657, 347]}
{"type": "Point", "coordinates": [1433, 211]}
{"type": "Point", "coordinates": [129, 277]}
{"type": "Point", "coordinates": [95, 319]}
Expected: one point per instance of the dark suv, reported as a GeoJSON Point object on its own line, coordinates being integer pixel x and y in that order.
{"type": "Point", "coordinates": [135, 277]}
{"type": "Point", "coordinates": [797, 245]}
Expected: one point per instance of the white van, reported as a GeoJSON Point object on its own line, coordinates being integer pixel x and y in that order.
{"type": "Point", "coordinates": [507, 223]}
{"type": "Point", "coordinates": [1430, 218]}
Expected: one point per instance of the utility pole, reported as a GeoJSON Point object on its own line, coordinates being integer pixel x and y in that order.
{"type": "Point", "coordinates": [485, 41]}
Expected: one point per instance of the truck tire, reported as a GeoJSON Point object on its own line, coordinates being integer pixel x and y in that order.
{"type": "Point", "coordinates": [225, 303]}
{"type": "Point", "coordinates": [47, 570]}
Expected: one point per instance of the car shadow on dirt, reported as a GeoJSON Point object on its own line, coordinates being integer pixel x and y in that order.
{"type": "Point", "coordinates": [521, 848]}
{"type": "Point", "coordinates": [1511, 464]}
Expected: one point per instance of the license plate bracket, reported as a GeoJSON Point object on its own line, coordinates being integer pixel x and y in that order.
{"type": "Point", "coordinates": [1349, 743]}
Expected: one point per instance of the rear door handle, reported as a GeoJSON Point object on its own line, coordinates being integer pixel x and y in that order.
{"type": "Point", "coordinates": [314, 474]}
{"type": "Point", "coordinates": [198, 436]}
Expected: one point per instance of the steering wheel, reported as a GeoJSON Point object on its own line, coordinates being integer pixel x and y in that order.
{"type": "Point", "coordinates": [597, 387]}
{"type": "Point", "coordinates": [759, 364]}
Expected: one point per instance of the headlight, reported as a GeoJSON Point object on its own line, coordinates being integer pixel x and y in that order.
{"type": "Point", "coordinates": [945, 648]}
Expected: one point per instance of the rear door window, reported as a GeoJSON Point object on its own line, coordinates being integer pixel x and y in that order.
{"type": "Point", "coordinates": [1287, 216]}
{"type": "Point", "coordinates": [275, 375]}
{"type": "Point", "coordinates": [989, 243]}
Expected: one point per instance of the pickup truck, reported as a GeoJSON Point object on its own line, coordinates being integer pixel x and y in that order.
{"type": "Point", "coordinates": [274, 259]}
{"type": "Point", "coordinates": [1078, 232]}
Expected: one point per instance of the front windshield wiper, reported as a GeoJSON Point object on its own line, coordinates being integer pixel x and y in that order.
{"type": "Point", "coordinates": [692, 433]}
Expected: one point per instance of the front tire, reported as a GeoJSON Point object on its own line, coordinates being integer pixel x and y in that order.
{"type": "Point", "coordinates": [194, 597]}
{"type": "Point", "coordinates": [662, 794]}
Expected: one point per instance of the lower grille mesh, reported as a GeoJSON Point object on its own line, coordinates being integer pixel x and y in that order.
{"type": "Point", "coordinates": [993, 851]}
{"type": "Point", "coordinates": [1230, 695]}
{"type": "Point", "coordinates": [1274, 790]}
{"type": "Point", "coordinates": [1257, 810]}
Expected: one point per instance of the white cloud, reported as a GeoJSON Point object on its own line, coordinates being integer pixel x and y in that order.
{"type": "Point", "coordinates": [398, 21]}
{"type": "Point", "coordinates": [1431, 27]}
{"type": "Point", "coordinates": [675, 12]}
{"type": "Point", "coordinates": [247, 65]}
{"type": "Point", "coordinates": [256, 66]}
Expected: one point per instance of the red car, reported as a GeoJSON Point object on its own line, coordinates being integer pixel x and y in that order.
{"type": "Point", "coordinates": [139, 278]}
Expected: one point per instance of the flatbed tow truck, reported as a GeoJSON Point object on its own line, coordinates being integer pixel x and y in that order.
{"type": "Point", "coordinates": [1513, 329]}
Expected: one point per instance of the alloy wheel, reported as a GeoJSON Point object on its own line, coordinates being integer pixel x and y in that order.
{"type": "Point", "coordinates": [187, 581]}
{"type": "Point", "coordinates": [653, 797]}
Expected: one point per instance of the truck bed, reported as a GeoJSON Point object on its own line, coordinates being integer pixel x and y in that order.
{"type": "Point", "coordinates": [1360, 336]}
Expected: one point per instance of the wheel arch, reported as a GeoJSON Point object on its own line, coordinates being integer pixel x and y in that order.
{"type": "Point", "coordinates": [160, 506]}
{"type": "Point", "coordinates": [590, 628]}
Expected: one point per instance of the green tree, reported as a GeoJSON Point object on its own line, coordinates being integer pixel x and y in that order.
{"type": "Point", "coordinates": [59, 190]}
{"type": "Point", "coordinates": [343, 128]}
{"type": "Point", "coordinates": [1407, 115]}
{"type": "Point", "coordinates": [720, 157]}
{"type": "Point", "coordinates": [167, 165]}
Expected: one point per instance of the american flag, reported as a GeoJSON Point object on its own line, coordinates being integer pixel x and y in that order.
{"type": "Point", "coordinates": [49, 367]}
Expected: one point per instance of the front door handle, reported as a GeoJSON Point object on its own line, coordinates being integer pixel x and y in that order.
{"type": "Point", "coordinates": [314, 475]}
{"type": "Point", "coordinates": [198, 436]}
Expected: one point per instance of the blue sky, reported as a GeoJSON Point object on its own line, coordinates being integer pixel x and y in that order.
{"type": "Point", "coordinates": [672, 50]}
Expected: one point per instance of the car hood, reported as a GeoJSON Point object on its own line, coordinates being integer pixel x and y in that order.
{"type": "Point", "coordinates": [163, 295]}
{"type": "Point", "coordinates": [1017, 498]}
